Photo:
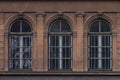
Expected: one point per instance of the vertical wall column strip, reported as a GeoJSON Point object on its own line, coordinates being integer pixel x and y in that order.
{"type": "Point", "coordinates": [39, 55]}
{"type": "Point", "coordinates": [114, 50]}
{"type": "Point", "coordinates": [78, 56]}
{"type": "Point", "coordinates": [99, 51]}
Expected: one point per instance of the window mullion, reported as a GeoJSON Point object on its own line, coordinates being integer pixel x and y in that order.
{"type": "Point", "coordinates": [20, 25]}
{"type": "Point", "coordinates": [99, 51]}
{"type": "Point", "coordinates": [60, 52]}
{"type": "Point", "coordinates": [110, 52]}
{"type": "Point", "coordinates": [100, 26]}
{"type": "Point", "coordinates": [11, 51]}
{"type": "Point", "coordinates": [60, 26]}
{"type": "Point", "coordinates": [49, 51]}
{"type": "Point", "coordinates": [21, 52]}
{"type": "Point", "coordinates": [71, 51]}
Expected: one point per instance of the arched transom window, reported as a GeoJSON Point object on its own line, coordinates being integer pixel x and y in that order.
{"type": "Point", "coordinates": [60, 45]}
{"type": "Point", "coordinates": [20, 45]}
{"type": "Point", "coordinates": [100, 45]}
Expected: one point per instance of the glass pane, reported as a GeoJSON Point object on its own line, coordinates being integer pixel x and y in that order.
{"type": "Point", "coordinates": [54, 52]}
{"type": "Point", "coordinates": [15, 64]}
{"type": "Point", "coordinates": [63, 40]}
{"type": "Point", "coordinates": [106, 52]}
{"type": "Point", "coordinates": [68, 40]}
{"type": "Point", "coordinates": [63, 52]}
{"type": "Point", "coordinates": [19, 50]}
{"type": "Point", "coordinates": [20, 26]}
{"type": "Point", "coordinates": [93, 64]}
{"type": "Point", "coordinates": [106, 40]}
{"type": "Point", "coordinates": [66, 64]}
{"type": "Point", "coordinates": [15, 27]}
{"type": "Point", "coordinates": [26, 40]}
{"type": "Point", "coordinates": [26, 63]}
{"type": "Point", "coordinates": [54, 41]}
{"type": "Point", "coordinates": [57, 40]}
{"type": "Point", "coordinates": [15, 53]}
{"type": "Point", "coordinates": [93, 52]}
{"type": "Point", "coordinates": [25, 27]}
{"type": "Point", "coordinates": [54, 64]}
{"type": "Point", "coordinates": [14, 47]}
{"type": "Point", "coordinates": [66, 52]}
{"type": "Point", "coordinates": [105, 64]}
{"type": "Point", "coordinates": [60, 25]}
{"type": "Point", "coordinates": [55, 27]}
{"type": "Point", "coordinates": [27, 52]}
{"type": "Point", "coordinates": [15, 41]}
{"type": "Point", "coordinates": [65, 26]}
{"type": "Point", "coordinates": [93, 40]}
{"type": "Point", "coordinates": [105, 26]}
{"type": "Point", "coordinates": [94, 27]}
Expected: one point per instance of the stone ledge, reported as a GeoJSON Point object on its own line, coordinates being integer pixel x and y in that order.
{"type": "Point", "coordinates": [35, 73]}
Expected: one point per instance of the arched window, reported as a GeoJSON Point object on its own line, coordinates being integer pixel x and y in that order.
{"type": "Point", "coordinates": [20, 45]}
{"type": "Point", "coordinates": [100, 45]}
{"type": "Point", "coordinates": [60, 45]}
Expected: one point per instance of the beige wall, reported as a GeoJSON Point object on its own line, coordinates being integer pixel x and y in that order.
{"type": "Point", "coordinates": [40, 14]}
{"type": "Point", "coordinates": [24, 6]}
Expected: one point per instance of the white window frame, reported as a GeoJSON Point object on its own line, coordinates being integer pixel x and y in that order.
{"type": "Point", "coordinates": [22, 62]}
{"type": "Point", "coordinates": [60, 46]}
{"type": "Point", "coordinates": [99, 47]}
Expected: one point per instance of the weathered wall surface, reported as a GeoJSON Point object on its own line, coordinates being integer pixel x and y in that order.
{"type": "Point", "coordinates": [41, 13]}
{"type": "Point", "coordinates": [9, 6]}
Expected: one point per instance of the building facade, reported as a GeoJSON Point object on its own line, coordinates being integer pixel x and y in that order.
{"type": "Point", "coordinates": [64, 40]}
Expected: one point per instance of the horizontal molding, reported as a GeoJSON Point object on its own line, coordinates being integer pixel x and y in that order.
{"type": "Point", "coordinates": [59, 0]}
{"type": "Point", "coordinates": [64, 73]}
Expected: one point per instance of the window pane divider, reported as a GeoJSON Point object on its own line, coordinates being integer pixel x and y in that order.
{"type": "Point", "coordinates": [21, 33]}
{"type": "Point", "coordinates": [60, 33]}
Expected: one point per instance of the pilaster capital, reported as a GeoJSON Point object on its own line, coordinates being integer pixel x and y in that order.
{"type": "Point", "coordinates": [74, 33]}
{"type": "Point", "coordinates": [85, 32]}
{"type": "Point", "coordinates": [35, 34]}
{"type": "Point", "coordinates": [6, 33]}
{"type": "Point", "coordinates": [114, 32]}
{"type": "Point", "coordinates": [45, 33]}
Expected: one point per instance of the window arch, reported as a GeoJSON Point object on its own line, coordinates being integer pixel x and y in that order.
{"type": "Point", "coordinates": [60, 25]}
{"type": "Point", "coordinates": [20, 45]}
{"type": "Point", "coordinates": [100, 45]}
{"type": "Point", "coordinates": [60, 45]}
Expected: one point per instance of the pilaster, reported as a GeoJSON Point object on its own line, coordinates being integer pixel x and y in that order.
{"type": "Point", "coordinates": [39, 54]}
{"type": "Point", "coordinates": [78, 56]}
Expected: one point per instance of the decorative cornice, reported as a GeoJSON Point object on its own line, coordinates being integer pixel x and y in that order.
{"type": "Point", "coordinates": [68, 73]}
